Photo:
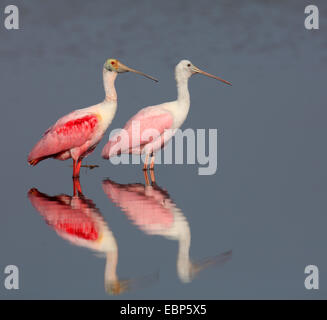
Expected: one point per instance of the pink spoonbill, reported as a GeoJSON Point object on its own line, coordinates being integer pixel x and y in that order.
{"type": "Point", "coordinates": [77, 134]}
{"type": "Point", "coordinates": [152, 127]}
{"type": "Point", "coordinates": [77, 220]}
{"type": "Point", "coordinates": [151, 209]}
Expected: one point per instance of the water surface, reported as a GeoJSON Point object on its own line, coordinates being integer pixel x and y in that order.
{"type": "Point", "coordinates": [246, 232]}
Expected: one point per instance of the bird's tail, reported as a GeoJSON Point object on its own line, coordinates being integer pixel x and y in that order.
{"type": "Point", "coordinates": [34, 162]}
{"type": "Point", "coordinates": [111, 149]}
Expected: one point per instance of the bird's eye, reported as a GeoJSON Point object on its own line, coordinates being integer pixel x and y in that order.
{"type": "Point", "coordinates": [189, 65]}
{"type": "Point", "coordinates": [112, 62]}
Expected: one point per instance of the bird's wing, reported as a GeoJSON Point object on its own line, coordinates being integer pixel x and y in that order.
{"type": "Point", "coordinates": [71, 131]}
{"type": "Point", "coordinates": [146, 126]}
{"type": "Point", "coordinates": [146, 210]}
{"type": "Point", "coordinates": [79, 222]}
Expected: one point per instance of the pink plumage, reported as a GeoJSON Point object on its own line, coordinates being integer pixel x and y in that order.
{"type": "Point", "coordinates": [73, 218]}
{"type": "Point", "coordinates": [77, 134]}
{"type": "Point", "coordinates": [157, 124]}
{"type": "Point", "coordinates": [145, 129]}
{"type": "Point", "coordinates": [71, 132]}
{"type": "Point", "coordinates": [150, 208]}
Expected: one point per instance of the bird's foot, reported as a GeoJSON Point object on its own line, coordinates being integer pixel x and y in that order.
{"type": "Point", "coordinates": [90, 166]}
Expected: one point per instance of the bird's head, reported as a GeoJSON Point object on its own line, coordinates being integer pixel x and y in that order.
{"type": "Point", "coordinates": [114, 65]}
{"type": "Point", "coordinates": [117, 287]}
{"type": "Point", "coordinates": [187, 68]}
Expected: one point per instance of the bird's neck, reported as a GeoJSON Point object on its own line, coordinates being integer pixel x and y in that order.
{"type": "Point", "coordinates": [111, 266]}
{"type": "Point", "coordinates": [109, 78]}
{"type": "Point", "coordinates": [183, 257]}
{"type": "Point", "coordinates": [183, 95]}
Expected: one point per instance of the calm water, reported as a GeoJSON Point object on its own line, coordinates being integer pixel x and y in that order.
{"type": "Point", "coordinates": [246, 232]}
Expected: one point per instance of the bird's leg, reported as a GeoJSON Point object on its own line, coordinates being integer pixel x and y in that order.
{"type": "Point", "coordinates": [153, 178]}
{"type": "Point", "coordinates": [77, 186]}
{"type": "Point", "coordinates": [152, 161]}
{"type": "Point", "coordinates": [145, 167]}
{"type": "Point", "coordinates": [77, 167]}
{"type": "Point", "coordinates": [146, 178]}
{"type": "Point", "coordinates": [74, 168]}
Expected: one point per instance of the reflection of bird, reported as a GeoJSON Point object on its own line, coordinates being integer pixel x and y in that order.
{"type": "Point", "coordinates": [150, 208]}
{"type": "Point", "coordinates": [77, 134]}
{"type": "Point", "coordinates": [76, 219]}
{"type": "Point", "coordinates": [152, 127]}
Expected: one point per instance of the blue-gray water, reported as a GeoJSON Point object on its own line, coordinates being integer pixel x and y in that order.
{"type": "Point", "coordinates": [267, 201]}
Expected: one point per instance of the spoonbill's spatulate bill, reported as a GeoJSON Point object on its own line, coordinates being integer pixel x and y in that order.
{"type": "Point", "coordinates": [77, 134]}
{"type": "Point", "coordinates": [162, 120]}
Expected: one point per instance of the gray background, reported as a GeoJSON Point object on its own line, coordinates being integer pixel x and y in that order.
{"type": "Point", "coordinates": [267, 201]}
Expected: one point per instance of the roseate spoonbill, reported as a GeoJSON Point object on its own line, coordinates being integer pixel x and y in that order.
{"type": "Point", "coordinates": [77, 134]}
{"type": "Point", "coordinates": [150, 208]}
{"type": "Point", "coordinates": [152, 127]}
{"type": "Point", "coordinates": [77, 220]}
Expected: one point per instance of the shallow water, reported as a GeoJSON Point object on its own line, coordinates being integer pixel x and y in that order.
{"type": "Point", "coordinates": [246, 232]}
